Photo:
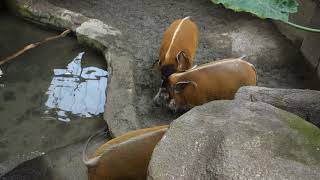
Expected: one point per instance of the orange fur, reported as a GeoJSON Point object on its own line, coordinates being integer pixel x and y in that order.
{"type": "Point", "coordinates": [213, 81]}
{"type": "Point", "coordinates": [127, 156]}
{"type": "Point", "coordinates": [185, 39]}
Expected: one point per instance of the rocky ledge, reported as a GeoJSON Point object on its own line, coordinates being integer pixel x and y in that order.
{"type": "Point", "coordinates": [302, 102]}
{"type": "Point", "coordinates": [237, 140]}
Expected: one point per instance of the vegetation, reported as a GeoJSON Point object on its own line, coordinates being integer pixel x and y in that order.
{"type": "Point", "coordinates": [273, 9]}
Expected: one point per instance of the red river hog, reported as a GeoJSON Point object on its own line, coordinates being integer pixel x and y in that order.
{"type": "Point", "coordinates": [218, 80]}
{"type": "Point", "coordinates": [124, 157]}
{"type": "Point", "coordinates": [178, 47]}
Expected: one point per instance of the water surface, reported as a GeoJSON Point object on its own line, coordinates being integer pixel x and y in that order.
{"type": "Point", "coordinates": [51, 96]}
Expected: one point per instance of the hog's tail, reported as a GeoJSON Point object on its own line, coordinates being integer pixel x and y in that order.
{"type": "Point", "coordinates": [242, 57]}
{"type": "Point", "coordinates": [93, 161]}
{"type": "Point", "coordinates": [188, 17]}
{"type": "Point", "coordinates": [252, 66]}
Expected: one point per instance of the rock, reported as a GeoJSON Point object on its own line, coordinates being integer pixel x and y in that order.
{"type": "Point", "coordinates": [96, 34]}
{"type": "Point", "coordinates": [310, 46]}
{"type": "Point", "coordinates": [308, 16]}
{"type": "Point", "coordinates": [92, 32]}
{"type": "Point", "coordinates": [304, 103]}
{"type": "Point", "coordinates": [120, 113]}
{"type": "Point", "coordinates": [45, 13]}
{"type": "Point", "coordinates": [303, 17]}
{"type": "Point", "coordinates": [237, 140]}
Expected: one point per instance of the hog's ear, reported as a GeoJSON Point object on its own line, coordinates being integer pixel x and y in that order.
{"type": "Point", "coordinates": [156, 64]}
{"type": "Point", "coordinates": [183, 61]}
{"type": "Point", "coordinates": [180, 86]}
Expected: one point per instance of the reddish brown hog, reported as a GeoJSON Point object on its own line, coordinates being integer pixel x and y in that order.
{"type": "Point", "coordinates": [213, 81]}
{"type": "Point", "coordinates": [178, 47]}
{"type": "Point", "coordinates": [124, 157]}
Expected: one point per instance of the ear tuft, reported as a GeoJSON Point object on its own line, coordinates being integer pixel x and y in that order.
{"type": "Point", "coordinates": [183, 61]}
{"type": "Point", "coordinates": [180, 86]}
{"type": "Point", "coordinates": [156, 64]}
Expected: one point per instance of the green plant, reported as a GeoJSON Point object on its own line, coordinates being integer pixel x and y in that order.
{"type": "Point", "coordinates": [273, 9]}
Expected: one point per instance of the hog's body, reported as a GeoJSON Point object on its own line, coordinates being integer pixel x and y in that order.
{"type": "Point", "coordinates": [217, 80]}
{"type": "Point", "coordinates": [124, 157]}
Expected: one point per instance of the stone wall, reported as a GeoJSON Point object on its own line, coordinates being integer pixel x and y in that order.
{"type": "Point", "coordinates": [309, 43]}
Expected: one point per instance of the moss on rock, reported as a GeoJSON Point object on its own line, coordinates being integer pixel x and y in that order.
{"type": "Point", "coordinates": [310, 132]}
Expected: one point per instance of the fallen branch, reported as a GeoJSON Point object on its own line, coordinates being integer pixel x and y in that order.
{"type": "Point", "coordinates": [31, 46]}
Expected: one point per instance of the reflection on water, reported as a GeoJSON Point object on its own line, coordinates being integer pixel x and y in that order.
{"type": "Point", "coordinates": [77, 90]}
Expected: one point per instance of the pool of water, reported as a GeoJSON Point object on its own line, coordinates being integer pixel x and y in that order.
{"type": "Point", "coordinates": [76, 90]}
{"type": "Point", "coordinates": [50, 96]}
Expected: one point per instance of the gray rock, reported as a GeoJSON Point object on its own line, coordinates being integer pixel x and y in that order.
{"type": "Point", "coordinates": [92, 32]}
{"type": "Point", "coordinates": [96, 34]}
{"type": "Point", "coordinates": [304, 103]}
{"type": "Point", "coordinates": [310, 46]}
{"type": "Point", "coordinates": [308, 16]}
{"type": "Point", "coordinates": [45, 13]}
{"type": "Point", "coordinates": [303, 17]}
{"type": "Point", "coordinates": [237, 140]}
{"type": "Point", "coordinates": [120, 113]}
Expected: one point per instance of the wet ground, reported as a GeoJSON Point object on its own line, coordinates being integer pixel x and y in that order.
{"type": "Point", "coordinates": [50, 97]}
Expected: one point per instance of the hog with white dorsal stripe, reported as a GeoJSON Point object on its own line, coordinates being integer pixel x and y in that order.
{"type": "Point", "coordinates": [178, 47]}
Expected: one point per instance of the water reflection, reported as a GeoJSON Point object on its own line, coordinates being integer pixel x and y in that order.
{"type": "Point", "coordinates": [77, 90]}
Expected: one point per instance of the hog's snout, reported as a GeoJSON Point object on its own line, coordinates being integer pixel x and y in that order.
{"type": "Point", "coordinates": [161, 98]}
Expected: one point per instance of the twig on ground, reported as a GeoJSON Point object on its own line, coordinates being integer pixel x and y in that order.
{"type": "Point", "coordinates": [31, 46]}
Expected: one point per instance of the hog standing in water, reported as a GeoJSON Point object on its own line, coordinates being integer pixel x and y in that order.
{"type": "Point", "coordinates": [124, 157]}
{"type": "Point", "coordinates": [217, 80]}
{"type": "Point", "coordinates": [178, 47]}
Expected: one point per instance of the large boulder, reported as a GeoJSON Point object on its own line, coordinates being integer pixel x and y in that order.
{"type": "Point", "coordinates": [237, 140]}
{"type": "Point", "coordinates": [304, 103]}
